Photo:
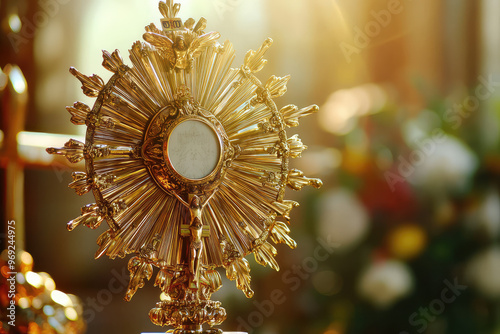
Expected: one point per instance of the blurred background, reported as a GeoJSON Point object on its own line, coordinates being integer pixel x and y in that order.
{"type": "Point", "coordinates": [404, 235]}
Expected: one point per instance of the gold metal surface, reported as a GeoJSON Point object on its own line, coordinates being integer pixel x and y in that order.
{"type": "Point", "coordinates": [185, 227]}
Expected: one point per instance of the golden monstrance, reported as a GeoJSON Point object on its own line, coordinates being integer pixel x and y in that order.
{"type": "Point", "coordinates": [188, 161]}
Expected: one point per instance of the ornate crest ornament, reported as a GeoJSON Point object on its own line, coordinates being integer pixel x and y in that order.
{"type": "Point", "coordinates": [188, 161]}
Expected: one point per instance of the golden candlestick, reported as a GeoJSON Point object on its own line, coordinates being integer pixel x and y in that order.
{"type": "Point", "coordinates": [188, 161]}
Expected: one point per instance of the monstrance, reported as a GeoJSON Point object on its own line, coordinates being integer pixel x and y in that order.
{"type": "Point", "coordinates": [188, 161]}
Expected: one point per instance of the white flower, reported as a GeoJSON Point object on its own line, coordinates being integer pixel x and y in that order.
{"type": "Point", "coordinates": [486, 217]}
{"type": "Point", "coordinates": [384, 283]}
{"type": "Point", "coordinates": [483, 272]}
{"type": "Point", "coordinates": [342, 218]}
{"type": "Point", "coordinates": [442, 163]}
